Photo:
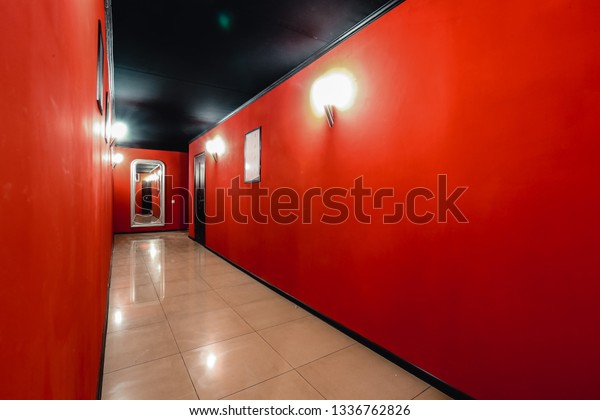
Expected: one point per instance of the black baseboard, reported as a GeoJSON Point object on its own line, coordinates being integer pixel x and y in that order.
{"type": "Point", "coordinates": [105, 330]}
{"type": "Point", "coordinates": [409, 367]}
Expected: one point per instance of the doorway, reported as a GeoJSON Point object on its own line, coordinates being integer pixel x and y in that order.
{"type": "Point", "coordinates": [199, 198]}
{"type": "Point", "coordinates": [146, 198]}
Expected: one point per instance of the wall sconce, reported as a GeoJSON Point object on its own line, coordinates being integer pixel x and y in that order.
{"type": "Point", "coordinates": [119, 130]}
{"type": "Point", "coordinates": [335, 89]}
{"type": "Point", "coordinates": [116, 158]}
{"type": "Point", "coordinates": [215, 147]}
{"type": "Point", "coordinates": [329, 114]}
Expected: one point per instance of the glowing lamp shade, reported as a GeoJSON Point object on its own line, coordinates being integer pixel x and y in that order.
{"type": "Point", "coordinates": [336, 88]}
{"type": "Point", "coordinates": [215, 147]}
{"type": "Point", "coordinates": [119, 130]}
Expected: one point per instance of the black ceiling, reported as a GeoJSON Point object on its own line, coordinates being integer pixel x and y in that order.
{"type": "Point", "coordinates": [183, 65]}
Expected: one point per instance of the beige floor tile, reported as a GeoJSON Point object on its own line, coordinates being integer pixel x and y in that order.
{"type": "Point", "coordinates": [221, 268]}
{"type": "Point", "coordinates": [172, 266]}
{"type": "Point", "coordinates": [162, 379]}
{"type": "Point", "coordinates": [138, 345]}
{"type": "Point", "coordinates": [184, 274]}
{"type": "Point", "coordinates": [432, 394]}
{"type": "Point", "coordinates": [357, 373]}
{"type": "Point", "coordinates": [246, 293]}
{"type": "Point", "coordinates": [175, 275]}
{"type": "Point", "coordinates": [269, 312]}
{"type": "Point", "coordinates": [289, 386]}
{"type": "Point", "coordinates": [126, 270]}
{"type": "Point", "coordinates": [192, 331]}
{"type": "Point", "coordinates": [126, 261]}
{"type": "Point", "coordinates": [128, 295]}
{"type": "Point", "coordinates": [131, 316]}
{"type": "Point", "coordinates": [129, 281]}
{"type": "Point", "coordinates": [207, 258]}
{"type": "Point", "coordinates": [221, 280]}
{"type": "Point", "coordinates": [305, 340]}
{"type": "Point", "coordinates": [181, 287]}
{"type": "Point", "coordinates": [192, 303]}
{"type": "Point", "coordinates": [170, 259]}
{"type": "Point", "coordinates": [230, 366]}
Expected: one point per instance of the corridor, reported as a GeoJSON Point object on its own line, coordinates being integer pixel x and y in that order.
{"type": "Point", "coordinates": [185, 324]}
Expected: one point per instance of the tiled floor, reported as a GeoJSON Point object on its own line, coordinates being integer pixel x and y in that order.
{"type": "Point", "coordinates": [185, 324]}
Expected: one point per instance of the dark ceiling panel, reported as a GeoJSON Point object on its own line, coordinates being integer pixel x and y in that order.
{"type": "Point", "coordinates": [181, 66]}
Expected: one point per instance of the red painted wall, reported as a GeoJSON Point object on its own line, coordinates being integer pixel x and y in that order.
{"type": "Point", "coordinates": [175, 182]}
{"type": "Point", "coordinates": [155, 186]}
{"type": "Point", "coordinates": [503, 98]}
{"type": "Point", "coordinates": [55, 200]}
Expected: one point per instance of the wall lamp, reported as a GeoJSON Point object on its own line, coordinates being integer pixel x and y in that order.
{"type": "Point", "coordinates": [215, 147]}
{"type": "Point", "coordinates": [119, 130]}
{"type": "Point", "coordinates": [116, 158]}
{"type": "Point", "coordinates": [335, 89]}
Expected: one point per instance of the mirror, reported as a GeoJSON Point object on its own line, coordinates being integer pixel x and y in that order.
{"type": "Point", "coordinates": [147, 193]}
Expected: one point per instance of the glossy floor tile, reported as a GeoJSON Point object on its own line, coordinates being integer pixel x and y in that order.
{"type": "Point", "coordinates": [196, 330]}
{"type": "Point", "coordinates": [289, 386]}
{"type": "Point", "coordinates": [162, 379]}
{"type": "Point", "coordinates": [224, 368]}
{"type": "Point", "coordinates": [269, 312]}
{"type": "Point", "coordinates": [185, 324]}
{"type": "Point", "coordinates": [138, 345]}
{"type": "Point", "coordinates": [358, 373]}
{"type": "Point", "coordinates": [305, 340]}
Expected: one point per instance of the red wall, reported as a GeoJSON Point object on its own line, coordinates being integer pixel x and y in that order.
{"type": "Point", "coordinates": [55, 200]}
{"type": "Point", "coordinates": [503, 98]}
{"type": "Point", "coordinates": [155, 186]}
{"type": "Point", "coordinates": [175, 182]}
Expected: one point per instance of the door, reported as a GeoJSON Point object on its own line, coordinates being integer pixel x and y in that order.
{"type": "Point", "coordinates": [199, 198]}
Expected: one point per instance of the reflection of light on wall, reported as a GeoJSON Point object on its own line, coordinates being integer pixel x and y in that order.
{"type": "Point", "coordinates": [336, 88]}
{"type": "Point", "coordinates": [211, 360]}
{"type": "Point", "coordinates": [98, 129]}
{"type": "Point", "coordinates": [118, 317]}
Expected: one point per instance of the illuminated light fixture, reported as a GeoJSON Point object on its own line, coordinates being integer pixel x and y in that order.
{"type": "Point", "coordinates": [119, 130]}
{"type": "Point", "coordinates": [116, 158]}
{"type": "Point", "coordinates": [336, 89]}
{"type": "Point", "coordinates": [215, 147]}
{"type": "Point", "coordinates": [329, 114]}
